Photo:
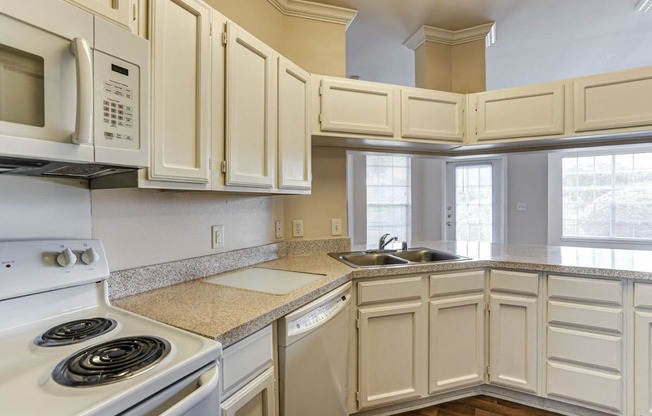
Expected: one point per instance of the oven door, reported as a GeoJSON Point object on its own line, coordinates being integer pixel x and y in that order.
{"type": "Point", "coordinates": [46, 81]}
{"type": "Point", "coordinates": [194, 395]}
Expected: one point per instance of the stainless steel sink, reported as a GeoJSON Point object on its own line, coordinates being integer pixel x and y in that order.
{"type": "Point", "coordinates": [388, 258]}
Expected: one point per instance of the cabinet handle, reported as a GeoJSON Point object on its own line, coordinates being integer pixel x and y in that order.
{"type": "Point", "coordinates": [84, 121]}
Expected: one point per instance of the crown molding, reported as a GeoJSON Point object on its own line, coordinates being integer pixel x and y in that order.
{"type": "Point", "coordinates": [315, 11]}
{"type": "Point", "coordinates": [644, 6]}
{"type": "Point", "coordinates": [451, 37]}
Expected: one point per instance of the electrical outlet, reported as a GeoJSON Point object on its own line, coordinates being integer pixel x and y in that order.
{"type": "Point", "coordinates": [217, 236]}
{"type": "Point", "coordinates": [297, 228]}
{"type": "Point", "coordinates": [279, 229]}
{"type": "Point", "coordinates": [521, 206]}
{"type": "Point", "coordinates": [336, 226]}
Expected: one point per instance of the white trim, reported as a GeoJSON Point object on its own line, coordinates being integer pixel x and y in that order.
{"type": "Point", "coordinates": [644, 6]}
{"type": "Point", "coordinates": [452, 37]}
{"type": "Point", "coordinates": [315, 11]}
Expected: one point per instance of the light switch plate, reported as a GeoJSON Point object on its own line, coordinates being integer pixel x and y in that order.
{"type": "Point", "coordinates": [336, 226]}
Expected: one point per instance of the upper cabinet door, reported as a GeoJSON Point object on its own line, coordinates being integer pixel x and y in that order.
{"type": "Point", "coordinates": [614, 100]}
{"type": "Point", "coordinates": [293, 126]}
{"type": "Point", "coordinates": [181, 56]}
{"type": "Point", "coordinates": [357, 107]}
{"type": "Point", "coordinates": [520, 112]}
{"type": "Point", "coordinates": [122, 12]}
{"type": "Point", "coordinates": [432, 115]}
{"type": "Point", "coordinates": [250, 110]}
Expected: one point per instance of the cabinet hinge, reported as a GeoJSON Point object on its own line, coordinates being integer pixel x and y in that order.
{"type": "Point", "coordinates": [357, 396]}
{"type": "Point", "coordinates": [210, 29]}
{"type": "Point", "coordinates": [224, 38]}
{"type": "Point", "coordinates": [488, 371]}
{"type": "Point", "coordinates": [319, 118]}
{"type": "Point", "coordinates": [488, 307]}
{"type": "Point", "coordinates": [321, 89]}
{"type": "Point", "coordinates": [476, 106]}
{"type": "Point", "coordinates": [357, 323]}
{"type": "Point", "coordinates": [223, 166]}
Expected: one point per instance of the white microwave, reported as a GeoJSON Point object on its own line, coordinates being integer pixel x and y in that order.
{"type": "Point", "coordinates": [74, 90]}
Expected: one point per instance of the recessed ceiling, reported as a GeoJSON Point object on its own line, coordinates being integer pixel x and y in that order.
{"type": "Point", "coordinates": [578, 36]}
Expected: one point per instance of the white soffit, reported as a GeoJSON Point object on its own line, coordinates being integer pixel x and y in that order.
{"type": "Point", "coordinates": [452, 37]}
{"type": "Point", "coordinates": [315, 11]}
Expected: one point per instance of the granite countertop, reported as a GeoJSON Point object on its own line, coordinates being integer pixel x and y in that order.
{"type": "Point", "coordinates": [228, 314]}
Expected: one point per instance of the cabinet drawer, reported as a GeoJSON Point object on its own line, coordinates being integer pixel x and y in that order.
{"type": "Point", "coordinates": [246, 359]}
{"type": "Point", "coordinates": [643, 295]}
{"type": "Point", "coordinates": [515, 282]}
{"type": "Point", "coordinates": [585, 348]}
{"type": "Point", "coordinates": [407, 288]}
{"type": "Point", "coordinates": [590, 387]}
{"type": "Point", "coordinates": [585, 289]}
{"type": "Point", "coordinates": [446, 284]}
{"type": "Point", "coordinates": [585, 316]}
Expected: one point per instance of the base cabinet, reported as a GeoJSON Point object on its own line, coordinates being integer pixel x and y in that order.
{"type": "Point", "coordinates": [257, 398]}
{"type": "Point", "coordinates": [643, 349]}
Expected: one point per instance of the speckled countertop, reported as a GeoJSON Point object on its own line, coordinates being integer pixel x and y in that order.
{"type": "Point", "coordinates": [229, 314]}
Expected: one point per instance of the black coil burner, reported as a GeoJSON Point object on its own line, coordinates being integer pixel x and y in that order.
{"type": "Point", "coordinates": [75, 331]}
{"type": "Point", "coordinates": [111, 361]}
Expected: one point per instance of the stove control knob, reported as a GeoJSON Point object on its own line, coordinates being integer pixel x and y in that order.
{"type": "Point", "coordinates": [90, 256]}
{"type": "Point", "coordinates": [66, 258]}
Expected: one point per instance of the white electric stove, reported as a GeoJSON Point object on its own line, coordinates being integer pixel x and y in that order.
{"type": "Point", "coordinates": [64, 350]}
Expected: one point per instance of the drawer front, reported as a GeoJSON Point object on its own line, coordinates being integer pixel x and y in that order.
{"type": "Point", "coordinates": [467, 282]}
{"type": "Point", "coordinates": [643, 295]}
{"type": "Point", "coordinates": [514, 282]}
{"type": "Point", "coordinates": [585, 289]}
{"type": "Point", "coordinates": [245, 360]}
{"type": "Point", "coordinates": [407, 288]}
{"type": "Point", "coordinates": [585, 348]}
{"type": "Point", "coordinates": [588, 387]}
{"type": "Point", "coordinates": [585, 316]}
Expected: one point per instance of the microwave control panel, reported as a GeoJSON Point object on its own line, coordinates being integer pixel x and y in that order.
{"type": "Point", "coordinates": [116, 103]}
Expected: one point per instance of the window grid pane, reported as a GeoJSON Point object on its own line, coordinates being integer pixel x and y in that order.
{"type": "Point", "coordinates": [474, 202]}
{"type": "Point", "coordinates": [388, 197]}
{"type": "Point", "coordinates": [607, 196]}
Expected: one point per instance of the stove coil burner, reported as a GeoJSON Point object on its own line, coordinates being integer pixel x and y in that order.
{"type": "Point", "coordinates": [111, 361]}
{"type": "Point", "coordinates": [75, 331]}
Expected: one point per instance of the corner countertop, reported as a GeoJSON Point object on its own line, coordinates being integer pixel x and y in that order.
{"type": "Point", "coordinates": [228, 314]}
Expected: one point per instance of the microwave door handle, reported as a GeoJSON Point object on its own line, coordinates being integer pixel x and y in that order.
{"type": "Point", "coordinates": [84, 67]}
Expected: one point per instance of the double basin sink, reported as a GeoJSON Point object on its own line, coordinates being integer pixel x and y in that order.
{"type": "Point", "coordinates": [376, 258]}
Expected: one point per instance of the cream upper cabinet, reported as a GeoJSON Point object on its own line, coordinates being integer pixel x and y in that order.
{"type": "Point", "coordinates": [584, 349]}
{"type": "Point", "coordinates": [523, 112]}
{"type": "Point", "coordinates": [513, 330]}
{"type": "Point", "coordinates": [294, 165]}
{"type": "Point", "coordinates": [432, 115]}
{"type": "Point", "coordinates": [357, 107]}
{"type": "Point", "coordinates": [613, 100]}
{"type": "Point", "coordinates": [251, 110]}
{"type": "Point", "coordinates": [457, 330]}
{"type": "Point", "coordinates": [392, 341]}
{"type": "Point", "coordinates": [181, 79]}
{"type": "Point", "coordinates": [121, 12]}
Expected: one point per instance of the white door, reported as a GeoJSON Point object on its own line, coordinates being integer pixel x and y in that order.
{"type": "Point", "coordinates": [474, 208]}
{"type": "Point", "coordinates": [256, 398]}
{"type": "Point", "coordinates": [181, 77]}
{"type": "Point", "coordinates": [251, 110]}
{"type": "Point", "coordinates": [293, 126]}
{"type": "Point", "coordinates": [46, 89]}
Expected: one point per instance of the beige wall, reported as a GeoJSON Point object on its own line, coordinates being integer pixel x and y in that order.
{"type": "Point", "coordinates": [328, 198]}
{"type": "Point", "coordinates": [318, 47]}
{"type": "Point", "coordinates": [459, 68]}
{"type": "Point", "coordinates": [468, 67]}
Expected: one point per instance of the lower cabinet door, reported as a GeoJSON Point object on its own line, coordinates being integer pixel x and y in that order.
{"type": "Point", "coordinates": [255, 399]}
{"type": "Point", "coordinates": [643, 362]}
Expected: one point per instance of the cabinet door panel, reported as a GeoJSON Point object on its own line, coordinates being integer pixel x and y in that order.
{"type": "Point", "coordinates": [181, 95]}
{"type": "Point", "coordinates": [615, 100]}
{"type": "Point", "coordinates": [122, 12]}
{"type": "Point", "coordinates": [513, 342]}
{"type": "Point", "coordinates": [456, 342]}
{"type": "Point", "coordinates": [250, 110]}
{"type": "Point", "coordinates": [255, 399]}
{"type": "Point", "coordinates": [432, 115]}
{"type": "Point", "coordinates": [391, 356]}
{"type": "Point", "coordinates": [294, 126]}
{"type": "Point", "coordinates": [643, 362]}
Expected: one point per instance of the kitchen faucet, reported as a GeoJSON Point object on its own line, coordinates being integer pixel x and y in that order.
{"type": "Point", "coordinates": [382, 243]}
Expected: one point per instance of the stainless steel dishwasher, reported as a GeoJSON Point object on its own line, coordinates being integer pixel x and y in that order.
{"type": "Point", "coordinates": [313, 356]}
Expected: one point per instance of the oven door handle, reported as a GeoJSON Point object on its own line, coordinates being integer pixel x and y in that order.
{"type": "Point", "coordinates": [208, 385]}
{"type": "Point", "coordinates": [84, 122]}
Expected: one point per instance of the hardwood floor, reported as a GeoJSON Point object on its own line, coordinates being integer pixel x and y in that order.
{"type": "Point", "coordinates": [479, 406]}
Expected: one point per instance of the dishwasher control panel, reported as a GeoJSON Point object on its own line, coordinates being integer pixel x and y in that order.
{"type": "Point", "coordinates": [318, 315]}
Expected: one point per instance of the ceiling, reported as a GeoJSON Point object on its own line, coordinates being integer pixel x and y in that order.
{"type": "Point", "coordinates": [549, 39]}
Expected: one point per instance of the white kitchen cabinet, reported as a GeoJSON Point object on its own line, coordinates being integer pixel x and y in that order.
{"type": "Point", "coordinates": [294, 152]}
{"type": "Point", "coordinates": [121, 12]}
{"type": "Point", "coordinates": [181, 79]}
{"type": "Point", "coordinates": [251, 110]}
{"type": "Point", "coordinates": [432, 115]}
{"type": "Point", "coordinates": [613, 100]}
{"type": "Point", "coordinates": [247, 384]}
{"type": "Point", "coordinates": [584, 349]}
{"type": "Point", "coordinates": [522, 112]}
{"type": "Point", "coordinates": [358, 107]}
{"type": "Point", "coordinates": [643, 348]}
{"type": "Point", "coordinates": [513, 330]}
{"type": "Point", "coordinates": [456, 331]}
{"type": "Point", "coordinates": [392, 342]}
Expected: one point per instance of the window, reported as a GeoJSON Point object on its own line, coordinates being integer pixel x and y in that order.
{"type": "Point", "coordinates": [607, 196]}
{"type": "Point", "coordinates": [388, 197]}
